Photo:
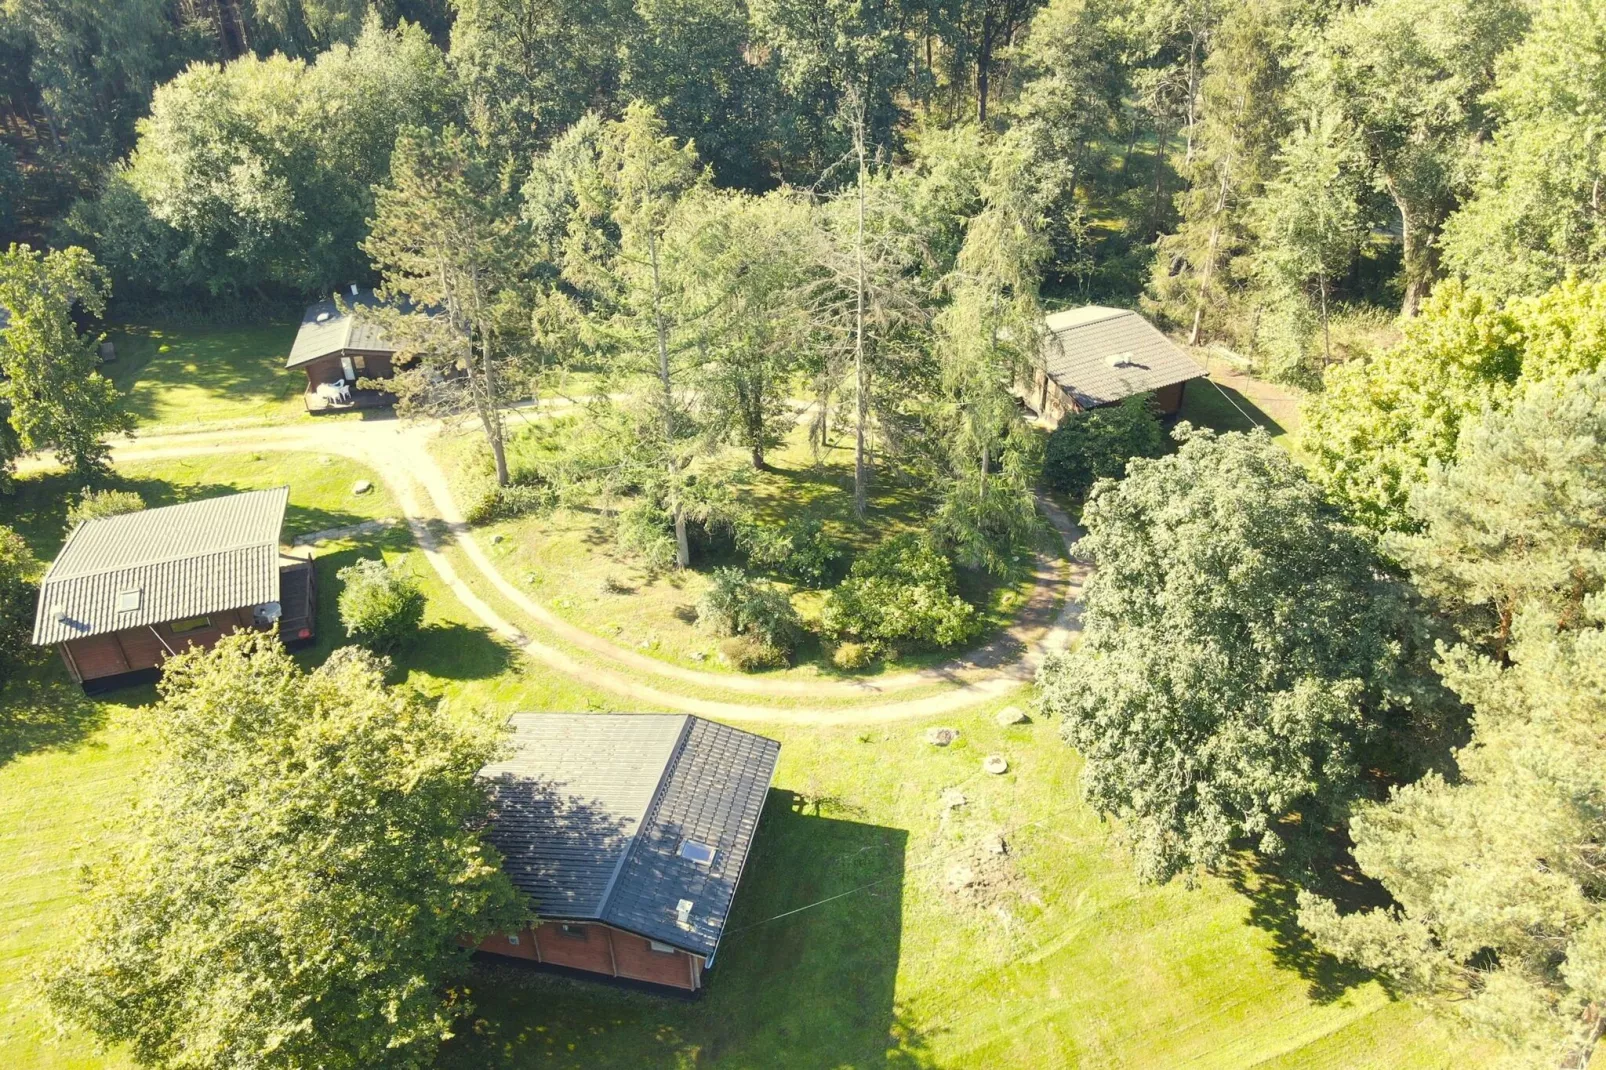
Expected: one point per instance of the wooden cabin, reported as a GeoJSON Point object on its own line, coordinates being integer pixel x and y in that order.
{"type": "Point", "coordinates": [629, 833]}
{"type": "Point", "coordinates": [336, 348]}
{"type": "Point", "coordinates": [126, 592]}
{"type": "Point", "coordinates": [1100, 356]}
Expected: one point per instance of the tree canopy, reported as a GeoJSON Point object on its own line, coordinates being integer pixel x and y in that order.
{"type": "Point", "coordinates": [1243, 649]}
{"type": "Point", "coordinates": [295, 883]}
{"type": "Point", "coordinates": [52, 395]}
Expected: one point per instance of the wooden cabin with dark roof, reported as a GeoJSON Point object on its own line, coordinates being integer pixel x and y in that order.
{"type": "Point", "coordinates": [1101, 356]}
{"type": "Point", "coordinates": [629, 833]}
{"type": "Point", "coordinates": [336, 348]}
{"type": "Point", "coordinates": [128, 591]}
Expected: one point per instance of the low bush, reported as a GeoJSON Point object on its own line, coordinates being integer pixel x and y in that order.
{"type": "Point", "coordinates": [381, 606]}
{"type": "Point", "coordinates": [901, 592]}
{"type": "Point", "coordinates": [850, 655]}
{"type": "Point", "coordinates": [737, 605]}
{"type": "Point", "coordinates": [798, 550]}
{"type": "Point", "coordinates": [96, 504]}
{"type": "Point", "coordinates": [645, 530]}
{"type": "Point", "coordinates": [748, 654]}
{"type": "Point", "coordinates": [1094, 445]}
{"type": "Point", "coordinates": [488, 502]}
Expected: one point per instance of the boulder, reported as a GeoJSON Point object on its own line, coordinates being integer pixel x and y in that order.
{"type": "Point", "coordinates": [362, 486]}
{"type": "Point", "coordinates": [498, 537]}
{"type": "Point", "coordinates": [994, 764]}
{"type": "Point", "coordinates": [1011, 715]}
{"type": "Point", "coordinates": [941, 737]}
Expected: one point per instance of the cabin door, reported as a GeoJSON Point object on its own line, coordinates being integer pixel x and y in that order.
{"type": "Point", "coordinates": [348, 370]}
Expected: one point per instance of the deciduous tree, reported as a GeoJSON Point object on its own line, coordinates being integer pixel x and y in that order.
{"type": "Point", "coordinates": [52, 394]}
{"type": "Point", "coordinates": [1242, 649]}
{"type": "Point", "coordinates": [295, 884]}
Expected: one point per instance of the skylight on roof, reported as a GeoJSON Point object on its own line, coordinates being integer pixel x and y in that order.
{"type": "Point", "coordinates": [700, 853]}
{"type": "Point", "coordinates": [128, 601]}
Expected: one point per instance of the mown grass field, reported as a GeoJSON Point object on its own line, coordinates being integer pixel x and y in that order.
{"type": "Point", "coordinates": [177, 378]}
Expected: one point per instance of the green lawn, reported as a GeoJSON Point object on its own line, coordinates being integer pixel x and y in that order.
{"type": "Point", "coordinates": [187, 377]}
{"type": "Point", "coordinates": [570, 563]}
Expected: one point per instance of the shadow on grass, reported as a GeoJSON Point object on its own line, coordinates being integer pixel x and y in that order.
{"type": "Point", "coordinates": [455, 652]}
{"type": "Point", "coordinates": [39, 712]}
{"type": "Point", "coordinates": [238, 363]}
{"type": "Point", "coordinates": [806, 990]}
{"type": "Point", "coordinates": [1207, 403]}
{"type": "Point", "coordinates": [41, 709]}
{"type": "Point", "coordinates": [1274, 907]}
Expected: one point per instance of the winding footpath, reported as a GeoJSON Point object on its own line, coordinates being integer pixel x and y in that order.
{"type": "Point", "coordinates": [398, 453]}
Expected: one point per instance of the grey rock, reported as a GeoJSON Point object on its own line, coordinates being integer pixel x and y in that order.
{"type": "Point", "coordinates": [995, 764]}
{"type": "Point", "coordinates": [1011, 715]}
{"type": "Point", "coordinates": [498, 537]}
{"type": "Point", "coordinates": [941, 737]}
{"type": "Point", "coordinates": [362, 486]}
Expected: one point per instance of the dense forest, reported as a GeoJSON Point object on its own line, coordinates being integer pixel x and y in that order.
{"type": "Point", "coordinates": [1280, 177]}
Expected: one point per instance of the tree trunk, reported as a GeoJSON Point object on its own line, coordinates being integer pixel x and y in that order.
{"type": "Point", "coordinates": [682, 548]}
{"type": "Point", "coordinates": [1159, 179]}
{"type": "Point", "coordinates": [984, 59]}
{"type": "Point", "coordinates": [861, 475]}
{"type": "Point", "coordinates": [1210, 254]}
{"type": "Point", "coordinates": [1131, 143]}
{"type": "Point", "coordinates": [1327, 335]}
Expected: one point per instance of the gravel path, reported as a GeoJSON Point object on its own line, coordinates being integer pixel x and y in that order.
{"type": "Point", "coordinates": [398, 453]}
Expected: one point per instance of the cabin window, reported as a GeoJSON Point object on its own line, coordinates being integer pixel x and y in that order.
{"type": "Point", "coordinates": [660, 948]}
{"type": "Point", "coordinates": [128, 601]}
{"type": "Point", "coordinates": [361, 362]}
{"type": "Point", "coordinates": [190, 624]}
{"type": "Point", "coordinates": [574, 932]}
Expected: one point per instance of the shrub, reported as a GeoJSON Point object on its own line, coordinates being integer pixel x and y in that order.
{"type": "Point", "coordinates": [96, 504]}
{"type": "Point", "coordinates": [646, 530]}
{"type": "Point", "coordinates": [488, 502]}
{"type": "Point", "coordinates": [850, 655]}
{"type": "Point", "coordinates": [380, 605]}
{"type": "Point", "coordinates": [747, 653]}
{"type": "Point", "coordinates": [737, 605]}
{"type": "Point", "coordinates": [799, 550]}
{"type": "Point", "coordinates": [1094, 445]}
{"type": "Point", "coordinates": [902, 591]}
{"type": "Point", "coordinates": [720, 606]}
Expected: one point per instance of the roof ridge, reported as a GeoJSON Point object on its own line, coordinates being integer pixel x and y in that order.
{"type": "Point", "coordinates": [1111, 313]}
{"type": "Point", "coordinates": [50, 573]}
{"type": "Point", "coordinates": [605, 900]}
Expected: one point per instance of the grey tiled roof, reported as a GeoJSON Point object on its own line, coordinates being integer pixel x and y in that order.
{"type": "Point", "coordinates": [1101, 355]}
{"type": "Point", "coordinates": [590, 812]}
{"type": "Point", "coordinates": [183, 560]}
{"type": "Point", "coordinates": [337, 331]}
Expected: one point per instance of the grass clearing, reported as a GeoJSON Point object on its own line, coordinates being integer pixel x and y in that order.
{"type": "Point", "coordinates": [178, 378]}
{"type": "Point", "coordinates": [568, 561]}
